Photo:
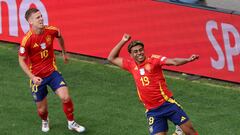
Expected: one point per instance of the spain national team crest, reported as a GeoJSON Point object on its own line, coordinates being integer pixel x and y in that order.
{"type": "Point", "coordinates": [43, 45]}
{"type": "Point", "coordinates": [48, 39]}
{"type": "Point", "coordinates": [142, 71]}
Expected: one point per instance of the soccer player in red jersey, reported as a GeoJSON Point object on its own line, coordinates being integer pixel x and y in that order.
{"type": "Point", "coordinates": [37, 60]}
{"type": "Point", "coordinates": [151, 86]}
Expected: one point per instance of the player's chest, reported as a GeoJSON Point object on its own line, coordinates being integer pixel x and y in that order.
{"type": "Point", "coordinates": [144, 70]}
{"type": "Point", "coordinates": [41, 42]}
{"type": "Point", "coordinates": [42, 38]}
{"type": "Point", "coordinates": [145, 75]}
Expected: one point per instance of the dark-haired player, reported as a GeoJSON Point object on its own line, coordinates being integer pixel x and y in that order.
{"type": "Point", "coordinates": [151, 86]}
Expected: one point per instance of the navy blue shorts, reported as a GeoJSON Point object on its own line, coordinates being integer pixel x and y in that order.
{"type": "Point", "coordinates": [55, 81]}
{"type": "Point", "coordinates": [157, 118]}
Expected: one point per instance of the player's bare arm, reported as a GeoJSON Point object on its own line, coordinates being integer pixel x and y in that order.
{"type": "Point", "coordinates": [181, 61]}
{"type": "Point", "coordinates": [36, 80]}
{"type": "Point", "coordinates": [113, 56]}
{"type": "Point", "coordinates": [62, 45]}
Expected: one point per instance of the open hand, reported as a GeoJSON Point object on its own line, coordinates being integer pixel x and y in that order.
{"type": "Point", "coordinates": [65, 58]}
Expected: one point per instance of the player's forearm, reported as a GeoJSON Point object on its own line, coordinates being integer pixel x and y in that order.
{"type": "Point", "coordinates": [181, 61]}
{"type": "Point", "coordinates": [25, 68]}
{"type": "Point", "coordinates": [116, 50]}
{"type": "Point", "coordinates": [62, 45]}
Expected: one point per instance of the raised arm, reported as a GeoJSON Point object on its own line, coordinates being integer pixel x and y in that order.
{"type": "Point", "coordinates": [36, 80]}
{"type": "Point", "coordinates": [181, 61]}
{"type": "Point", "coordinates": [113, 56]}
{"type": "Point", "coordinates": [62, 45]}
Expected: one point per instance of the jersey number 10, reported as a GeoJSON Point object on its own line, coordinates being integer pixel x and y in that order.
{"type": "Point", "coordinates": [44, 54]}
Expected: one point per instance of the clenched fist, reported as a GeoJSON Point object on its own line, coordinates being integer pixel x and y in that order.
{"type": "Point", "coordinates": [126, 37]}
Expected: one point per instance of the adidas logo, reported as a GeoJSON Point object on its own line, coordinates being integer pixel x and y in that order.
{"type": "Point", "coordinates": [136, 68]}
{"type": "Point", "coordinates": [35, 45]}
{"type": "Point", "coordinates": [183, 118]}
{"type": "Point", "coordinates": [62, 83]}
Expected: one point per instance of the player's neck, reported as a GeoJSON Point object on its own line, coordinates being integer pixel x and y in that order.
{"type": "Point", "coordinates": [140, 62]}
{"type": "Point", "coordinates": [37, 30]}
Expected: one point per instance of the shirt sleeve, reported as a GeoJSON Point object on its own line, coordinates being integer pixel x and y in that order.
{"type": "Point", "coordinates": [57, 32]}
{"type": "Point", "coordinates": [54, 31]}
{"type": "Point", "coordinates": [23, 49]}
{"type": "Point", "coordinates": [126, 65]}
{"type": "Point", "coordinates": [161, 60]}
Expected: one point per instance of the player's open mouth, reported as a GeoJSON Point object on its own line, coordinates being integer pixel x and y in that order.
{"type": "Point", "coordinates": [41, 23]}
{"type": "Point", "coordinates": [140, 57]}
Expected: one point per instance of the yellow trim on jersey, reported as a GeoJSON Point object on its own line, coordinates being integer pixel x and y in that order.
{"type": "Point", "coordinates": [166, 98]}
{"type": "Point", "coordinates": [25, 38]}
{"type": "Point", "coordinates": [155, 56]}
{"type": "Point", "coordinates": [30, 83]}
{"type": "Point", "coordinates": [139, 95]}
{"type": "Point", "coordinates": [54, 65]}
{"type": "Point", "coordinates": [51, 28]}
{"type": "Point", "coordinates": [30, 67]}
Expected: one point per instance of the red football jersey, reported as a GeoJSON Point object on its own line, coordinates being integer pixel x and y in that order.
{"type": "Point", "coordinates": [150, 82]}
{"type": "Point", "coordinates": [38, 49]}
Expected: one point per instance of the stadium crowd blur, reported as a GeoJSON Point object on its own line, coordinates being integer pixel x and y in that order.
{"type": "Point", "coordinates": [232, 5]}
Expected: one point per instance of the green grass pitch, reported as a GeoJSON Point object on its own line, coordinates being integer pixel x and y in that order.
{"type": "Point", "coordinates": [106, 101]}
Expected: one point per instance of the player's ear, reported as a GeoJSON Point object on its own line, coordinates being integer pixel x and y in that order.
{"type": "Point", "coordinates": [30, 20]}
{"type": "Point", "coordinates": [131, 54]}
